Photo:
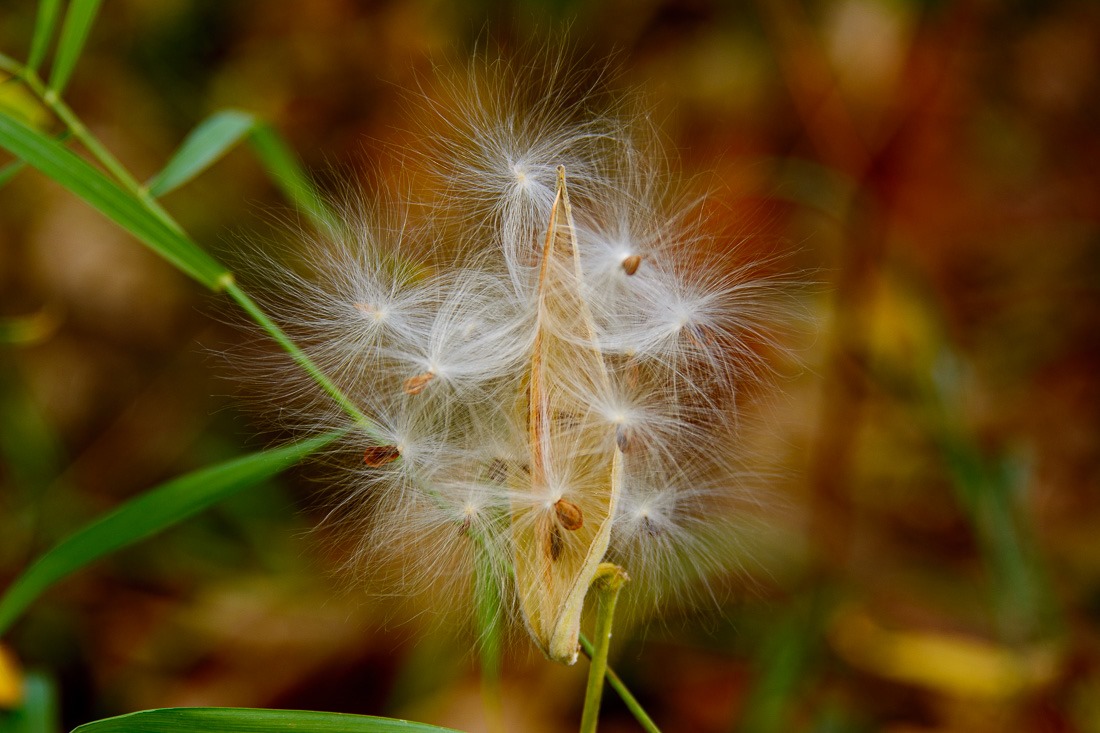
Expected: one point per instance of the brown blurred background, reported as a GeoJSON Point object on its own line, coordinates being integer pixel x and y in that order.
{"type": "Point", "coordinates": [933, 562]}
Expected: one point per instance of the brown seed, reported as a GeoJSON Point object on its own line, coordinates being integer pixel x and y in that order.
{"type": "Point", "coordinates": [622, 437]}
{"type": "Point", "coordinates": [416, 385]}
{"type": "Point", "coordinates": [700, 336]}
{"type": "Point", "coordinates": [631, 264]}
{"type": "Point", "coordinates": [569, 514]}
{"type": "Point", "coordinates": [366, 309]}
{"type": "Point", "coordinates": [379, 455]}
{"type": "Point", "coordinates": [556, 544]}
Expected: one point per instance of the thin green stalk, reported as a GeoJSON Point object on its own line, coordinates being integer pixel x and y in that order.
{"type": "Point", "coordinates": [608, 581]}
{"type": "Point", "coordinates": [11, 66]}
{"type": "Point", "coordinates": [11, 170]}
{"type": "Point", "coordinates": [55, 104]}
{"type": "Point", "coordinates": [51, 99]}
{"type": "Point", "coordinates": [365, 423]}
{"type": "Point", "coordinates": [623, 691]}
{"type": "Point", "coordinates": [77, 129]}
{"type": "Point", "coordinates": [490, 637]}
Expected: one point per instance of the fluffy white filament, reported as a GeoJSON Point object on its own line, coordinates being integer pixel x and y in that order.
{"type": "Point", "coordinates": [425, 316]}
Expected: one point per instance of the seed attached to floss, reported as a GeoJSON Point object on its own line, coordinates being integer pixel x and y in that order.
{"type": "Point", "coordinates": [631, 264]}
{"type": "Point", "coordinates": [700, 336]}
{"type": "Point", "coordinates": [622, 437]}
{"type": "Point", "coordinates": [416, 384]}
{"type": "Point", "coordinates": [569, 515]}
{"type": "Point", "coordinates": [570, 518]}
{"type": "Point", "coordinates": [368, 310]}
{"type": "Point", "coordinates": [379, 455]}
{"type": "Point", "coordinates": [555, 542]}
{"type": "Point", "coordinates": [557, 375]}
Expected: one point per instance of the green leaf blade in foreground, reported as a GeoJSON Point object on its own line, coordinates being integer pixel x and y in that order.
{"type": "Point", "coordinates": [251, 720]}
{"type": "Point", "coordinates": [490, 627]}
{"type": "Point", "coordinates": [74, 31]}
{"type": "Point", "coordinates": [84, 180]}
{"type": "Point", "coordinates": [10, 171]}
{"type": "Point", "coordinates": [147, 514]}
{"type": "Point", "coordinates": [208, 142]}
{"type": "Point", "coordinates": [44, 24]}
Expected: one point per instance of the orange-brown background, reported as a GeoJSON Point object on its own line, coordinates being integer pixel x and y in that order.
{"type": "Point", "coordinates": [932, 561]}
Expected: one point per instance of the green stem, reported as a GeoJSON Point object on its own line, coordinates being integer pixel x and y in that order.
{"type": "Point", "coordinates": [11, 66]}
{"type": "Point", "coordinates": [490, 637]}
{"type": "Point", "coordinates": [55, 104]}
{"type": "Point", "coordinates": [365, 423]}
{"type": "Point", "coordinates": [608, 581]}
{"type": "Point", "coordinates": [51, 99]}
{"type": "Point", "coordinates": [623, 691]}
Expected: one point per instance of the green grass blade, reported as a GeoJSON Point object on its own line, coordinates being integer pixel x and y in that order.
{"type": "Point", "coordinates": [147, 514]}
{"type": "Point", "coordinates": [283, 167]}
{"type": "Point", "coordinates": [206, 144]}
{"type": "Point", "coordinates": [251, 720]}
{"type": "Point", "coordinates": [302, 359]}
{"type": "Point", "coordinates": [781, 668]}
{"type": "Point", "coordinates": [84, 180]}
{"type": "Point", "coordinates": [44, 24]}
{"type": "Point", "coordinates": [74, 31]}
{"type": "Point", "coordinates": [490, 629]}
{"type": "Point", "coordinates": [10, 171]}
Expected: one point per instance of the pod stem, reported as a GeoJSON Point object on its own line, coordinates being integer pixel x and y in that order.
{"type": "Point", "coordinates": [607, 582]}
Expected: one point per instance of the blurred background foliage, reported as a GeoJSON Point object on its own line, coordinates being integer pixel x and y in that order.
{"type": "Point", "coordinates": [931, 556]}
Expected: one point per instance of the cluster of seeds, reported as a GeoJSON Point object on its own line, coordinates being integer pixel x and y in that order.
{"type": "Point", "coordinates": [547, 347]}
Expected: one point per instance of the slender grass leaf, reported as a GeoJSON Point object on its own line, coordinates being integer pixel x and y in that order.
{"type": "Point", "coordinates": [44, 24]}
{"type": "Point", "coordinates": [74, 31]}
{"type": "Point", "coordinates": [19, 101]}
{"type": "Point", "coordinates": [84, 180]}
{"type": "Point", "coordinates": [206, 144]}
{"type": "Point", "coordinates": [251, 720]}
{"type": "Point", "coordinates": [988, 488]}
{"type": "Point", "coordinates": [10, 171]}
{"type": "Point", "coordinates": [147, 514]}
{"type": "Point", "coordinates": [264, 321]}
{"type": "Point", "coordinates": [782, 665]}
{"type": "Point", "coordinates": [490, 631]}
{"type": "Point", "coordinates": [283, 167]}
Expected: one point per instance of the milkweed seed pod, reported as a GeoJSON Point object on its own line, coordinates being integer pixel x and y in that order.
{"type": "Point", "coordinates": [547, 344]}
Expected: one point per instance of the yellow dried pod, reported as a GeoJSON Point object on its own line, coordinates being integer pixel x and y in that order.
{"type": "Point", "coordinates": [567, 444]}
